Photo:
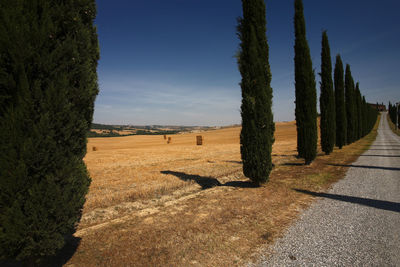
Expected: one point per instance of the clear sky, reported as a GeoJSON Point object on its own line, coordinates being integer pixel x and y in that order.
{"type": "Point", "coordinates": [171, 62]}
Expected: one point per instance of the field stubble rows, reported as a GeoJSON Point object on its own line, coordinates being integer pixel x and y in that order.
{"type": "Point", "coordinates": [140, 168]}
{"type": "Point", "coordinates": [152, 203]}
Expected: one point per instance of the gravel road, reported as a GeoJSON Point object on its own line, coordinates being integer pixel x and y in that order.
{"type": "Point", "coordinates": [357, 222]}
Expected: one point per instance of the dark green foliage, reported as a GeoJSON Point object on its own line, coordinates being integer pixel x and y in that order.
{"type": "Point", "coordinates": [350, 106]}
{"type": "Point", "coordinates": [341, 118]}
{"type": "Point", "coordinates": [371, 115]}
{"type": "Point", "coordinates": [359, 112]}
{"type": "Point", "coordinates": [327, 99]}
{"type": "Point", "coordinates": [48, 84]}
{"type": "Point", "coordinates": [364, 116]}
{"type": "Point", "coordinates": [393, 109]}
{"type": "Point", "coordinates": [306, 96]}
{"type": "Point", "coordinates": [392, 112]}
{"type": "Point", "coordinates": [257, 135]}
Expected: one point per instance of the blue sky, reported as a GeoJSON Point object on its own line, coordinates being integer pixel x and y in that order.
{"type": "Point", "coordinates": [171, 62]}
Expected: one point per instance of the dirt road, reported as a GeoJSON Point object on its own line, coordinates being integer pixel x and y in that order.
{"type": "Point", "coordinates": [357, 222]}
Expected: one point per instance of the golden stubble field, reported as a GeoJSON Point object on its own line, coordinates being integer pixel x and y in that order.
{"type": "Point", "coordinates": [157, 204]}
{"type": "Point", "coordinates": [125, 169]}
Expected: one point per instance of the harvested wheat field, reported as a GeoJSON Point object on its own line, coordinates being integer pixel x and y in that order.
{"type": "Point", "coordinates": [181, 204]}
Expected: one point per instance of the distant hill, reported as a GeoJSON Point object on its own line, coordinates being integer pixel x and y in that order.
{"type": "Point", "coordinates": [104, 130]}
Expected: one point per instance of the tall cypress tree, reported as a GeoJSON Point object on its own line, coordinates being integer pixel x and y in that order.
{"type": "Point", "coordinates": [341, 119]}
{"type": "Point", "coordinates": [350, 106]}
{"type": "Point", "coordinates": [257, 135]}
{"type": "Point", "coordinates": [364, 116]}
{"type": "Point", "coordinates": [327, 99]}
{"type": "Point", "coordinates": [306, 96]}
{"type": "Point", "coordinates": [390, 111]}
{"type": "Point", "coordinates": [359, 111]}
{"type": "Point", "coordinates": [48, 84]}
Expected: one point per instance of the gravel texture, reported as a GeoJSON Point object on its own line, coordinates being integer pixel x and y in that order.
{"type": "Point", "coordinates": [357, 222]}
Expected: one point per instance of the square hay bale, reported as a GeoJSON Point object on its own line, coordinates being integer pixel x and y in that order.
{"type": "Point", "coordinates": [165, 137]}
{"type": "Point", "coordinates": [94, 148]}
{"type": "Point", "coordinates": [169, 140]}
{"type": "Point", "coordinates": [199, 140]}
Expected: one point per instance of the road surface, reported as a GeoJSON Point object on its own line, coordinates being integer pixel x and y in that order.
{"type": "Point", "coordinates": [357, 222]}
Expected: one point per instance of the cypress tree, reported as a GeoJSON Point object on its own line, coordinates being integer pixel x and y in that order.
{"type": "Point", "coordinates": [390, 111]}
{"type": "Point", "coordinates": [257, 135]}
{"type": "Point", "coordinates": [48, 84]}
{"type": "Point", "coordinates": [341, 119]}
{"type": "Point", "coordinates": [350, 106]}
{"type": "Point", "coordinates": [359, 112]}
{"type": "Point", "coordinates": [364, 116]}
{"type": "Point", "coordinates": [327, 99]}
{"type": "Point", "coordinates": [306, 96]}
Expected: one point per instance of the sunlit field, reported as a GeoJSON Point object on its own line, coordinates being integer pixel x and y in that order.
{"type": "Point", "coordinates": [179, 204]}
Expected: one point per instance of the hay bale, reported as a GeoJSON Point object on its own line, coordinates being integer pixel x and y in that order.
{"type": "Point", "coordinates": [169, 140]}
{"type": "Point", "coordinates": [94, 148]}
{"type": "Point", "coordinates": [199, 140]}
{"type": "Point", "coordinates": [165, 137]}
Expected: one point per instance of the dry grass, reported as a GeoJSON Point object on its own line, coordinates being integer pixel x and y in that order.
{"type": "Point", "coordinates": [178, 204]}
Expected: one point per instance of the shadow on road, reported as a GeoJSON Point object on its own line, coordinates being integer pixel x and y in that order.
{"type": "Point", "coordinates": [378, 204]}
{"type": "Point", "coordinates": [209, 182]}
{"type": "Point", "coordinates": [383, 149]}
{"type": "Point", "coordinates": [366, 167]}
{"type": "Point", "coordinates": [383, 156]}
{"type": "Point", "coordinates": [391, 145]}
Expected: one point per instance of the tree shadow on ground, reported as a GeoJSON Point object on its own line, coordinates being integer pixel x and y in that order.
{"type": "Point", "coordinates": [64, 254]}
{"type": "Point", "coordinates": [293, 164]}
{"type": "Point", "coordinates": [58, 260]}
{"type": "Point", "coordinates": [234, 161]}
{"type": "Point", "coordinates": [209, 182]}
{"type": "Point", "coordinates": [378, 204]}
{"type": "Point", "coordinates": [284, 155]}
{"type": "Point", "coordinates": [383, 156]}
{"type": "Point", "coordinates": [366, 167]}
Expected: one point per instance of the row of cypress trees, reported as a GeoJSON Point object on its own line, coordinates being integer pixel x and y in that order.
{"type": "Point", "coordinates": [345, 115]}
{"type": "Point", "coordinates": [48, 84]}
{"type": "Point", "coordinates": [355, 118]}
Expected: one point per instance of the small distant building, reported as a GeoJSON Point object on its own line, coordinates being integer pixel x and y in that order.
{"type": "Point", "coordinates": [380, 107]}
